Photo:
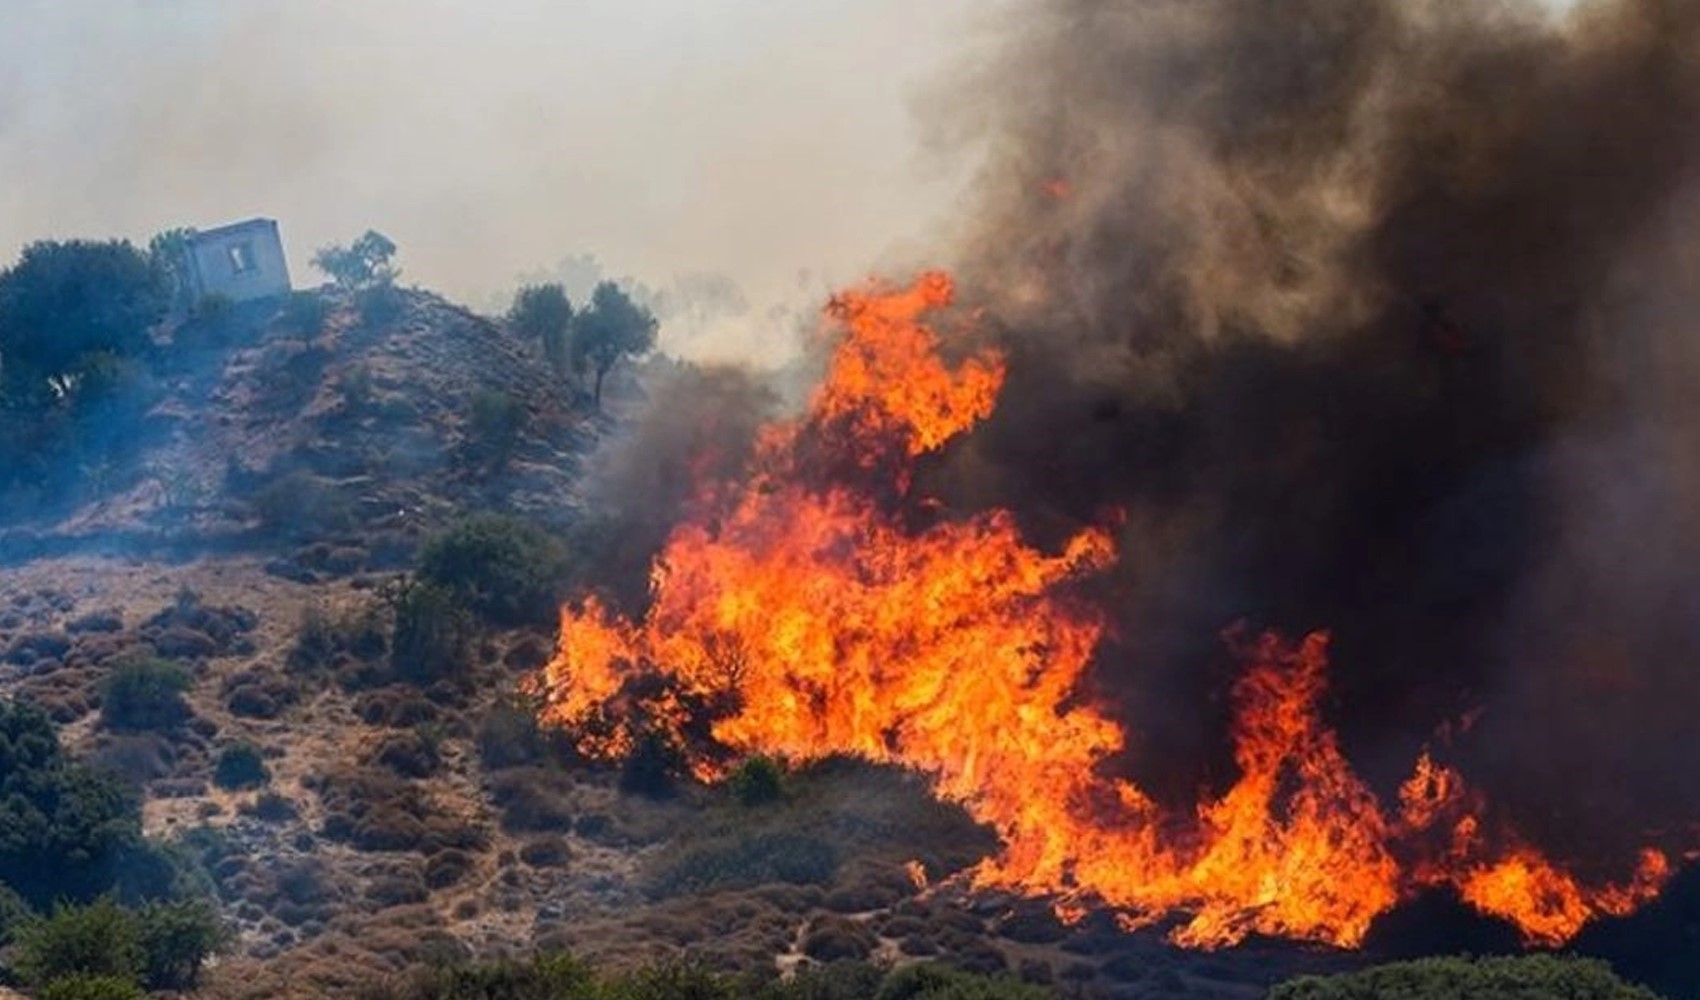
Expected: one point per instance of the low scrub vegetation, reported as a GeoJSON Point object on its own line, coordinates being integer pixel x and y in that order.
{"type": "Point", "coordinates": [744, 860]}
{"type": "Point", "coordinates": [433, 633]}
{"type": "Point", "coordinates": [1529, 977]}
{"type": "Point", "coordinates": [507, 570]}
{"type": "Point", "coordinates": [240, 765]}
{"type": "Point", "coordinates": [758, 781]}
{"type": "Point", "coordinates": [106, 949]}
{"type": "Point", "coordinates": [561, 977]}
{"type": "Point", "coordinates": [144, 692]}
{"type": "Point", "coordinates": [493, 428]}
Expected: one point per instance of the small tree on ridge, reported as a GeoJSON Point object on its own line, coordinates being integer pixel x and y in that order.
{"type": "Point", "coordinates": [611, 328]}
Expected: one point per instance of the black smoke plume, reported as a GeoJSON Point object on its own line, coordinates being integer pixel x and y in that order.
{"type": "Point", "coordinates": [1380, 316]}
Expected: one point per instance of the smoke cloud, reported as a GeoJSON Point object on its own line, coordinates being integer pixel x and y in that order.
{"type": "Point", "coordinates": [1375, 317]}
{"type": "Point", "coordinates": [767, 144]}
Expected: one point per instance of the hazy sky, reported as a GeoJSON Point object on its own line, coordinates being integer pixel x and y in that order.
{"type": "Point", "coordinates": [489, 138]}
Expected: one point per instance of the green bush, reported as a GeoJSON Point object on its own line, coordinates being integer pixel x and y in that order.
{"type": "Point", "coordinates": [176, 939]}
{"type": "Point", "coordinates": [365, 263]}
{"type": "Point", "coordinates": [544, 314]}
{"type": "Point", "coordinates": [63, 301]}
{"type": "Point", "coordinates": [545, 977]}
{"type": "Point", "coordinates": [144, 692]}
{"type": "Point", "coordinates": [433, 633]}
{"type": "Point", "coordinates": [210, 325]}
{"type": "Point", "coordinates": [507, 570]}
{"type": "Point", "coordinates": [1527, 977]}
{"type": "Point", "coordinates": [14, 913]}
{"type": "Point", "coordinates": [100, 939]}
{"type": "Point", "coordinates": [560, 977]}
{"type": "Point", "coordinates": [742, 861]}
{"type": "Point", "coordinates": [758, 781]}
{"type": "Point", "coordinates": [937, 982]}
{"type": "Point", "coordinates": [161, 945]}
{"type": "Point", "coordinates": [509, 735]}
{"type": "Point", "coordinates": [305, 312]}
{"type": "Point", "coordinates": [380, 304]}
{"type": "Point", "coordinates": [300, 505]}
{"type": "Point", "coordinates": [493, 427]}
{"type": "Point", "coordinates": [241, 765]}
{"type": "Point", "coordinates": [63, 827]}
{"type": "Point", "coordinates": [84, 987]}
{"type": "Point", "coordinates": [323, 637]}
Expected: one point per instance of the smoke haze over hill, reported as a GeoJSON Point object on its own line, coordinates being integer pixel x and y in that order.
{"type": "Point", "coordinates": [769, 143]}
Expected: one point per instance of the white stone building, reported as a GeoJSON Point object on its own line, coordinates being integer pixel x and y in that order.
{"type": "Point", "coordinates": [242, 261]}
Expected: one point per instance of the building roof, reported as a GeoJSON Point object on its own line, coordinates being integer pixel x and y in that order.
{"type": "Point", "coordinates": [235, 228]}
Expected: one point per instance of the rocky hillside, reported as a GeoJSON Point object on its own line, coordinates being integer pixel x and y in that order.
{"type": "Point", "coordinates": [318, 420]}
{"type": "Point", "coordinates": [356, 811]}
{"type": "Point", "coordinates": [353, 770]}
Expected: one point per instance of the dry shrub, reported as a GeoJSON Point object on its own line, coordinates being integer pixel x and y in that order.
{"type": "Point", "coordinates": [545, 852]}
{"type": "Point", "coordinates": [834, 938]}
{"type": "Point", "coordinates": [398, 705]}
{"type": "Point", "coordinates": [531, 799]}
{"type": "Point", "coordinates": [397, 890]}
{"type": "Point", "coordinates": [410, 754]}
{"type": "Point", "coordinates": [447, 867]}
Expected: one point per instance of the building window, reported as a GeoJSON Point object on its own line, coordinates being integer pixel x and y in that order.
{"type": "Point", "coordinates": [242, 258]}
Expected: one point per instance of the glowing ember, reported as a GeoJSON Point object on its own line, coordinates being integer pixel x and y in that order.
{"type": "Point", "coordinates": [806, 615]}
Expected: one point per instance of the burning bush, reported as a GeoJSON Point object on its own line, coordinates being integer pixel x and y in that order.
{"type": "Point", "coordinates": [818, 605]}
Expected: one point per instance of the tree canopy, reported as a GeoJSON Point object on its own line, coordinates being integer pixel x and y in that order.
{"type": "Point", "coordinates": [612, 327]}
{"type": "Point", "coordinates": [544, 313]}
{"type": "Point", "coordinates": [365, 263]}
{"type": "Point", "coordinates": [66, 301]}
{"type": "Point", "coordinates": [63, 827]}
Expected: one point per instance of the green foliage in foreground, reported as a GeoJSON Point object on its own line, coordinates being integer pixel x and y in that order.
{"type": "Point", "coordinates": [80, 987]}
{"type": "Point", "coordinates": [64, 829]}
{"type": "Point", "coordinates": [1528, 977]}
{"type": "Point", "coordinates": [99, 949]}
{"type": "Point", "coordinates": [561, 977]}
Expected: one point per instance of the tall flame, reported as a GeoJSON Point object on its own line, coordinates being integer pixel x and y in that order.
{"type": "Point", "coordinates": [810, 614]}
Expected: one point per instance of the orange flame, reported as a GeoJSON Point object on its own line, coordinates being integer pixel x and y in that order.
{"type": "Point", "coordinates": [805, 616]}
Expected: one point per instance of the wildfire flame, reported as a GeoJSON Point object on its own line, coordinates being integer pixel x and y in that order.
{"type": "Point", "coordinates": [811, 612]}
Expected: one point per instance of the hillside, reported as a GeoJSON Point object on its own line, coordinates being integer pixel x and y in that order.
{"type": "Point", "coordinates": [356, 772]}
{"type": "Point", "coordinates": [285, 481]}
